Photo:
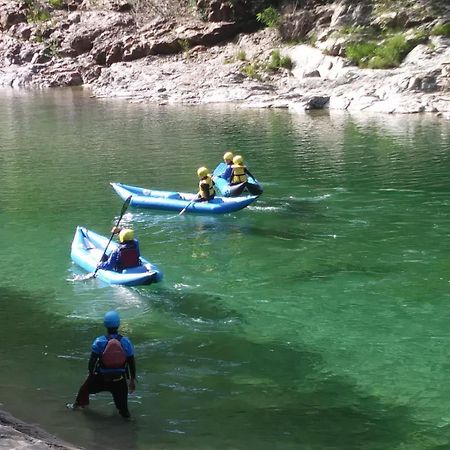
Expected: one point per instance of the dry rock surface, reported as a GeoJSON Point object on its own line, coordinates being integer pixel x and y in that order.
{"type": "Point", "coordinates": [189, 61]}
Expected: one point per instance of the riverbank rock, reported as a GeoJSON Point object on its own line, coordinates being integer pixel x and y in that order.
{"type": "Point", "coordinates": [18, 435]}
{"type": "Point", "coordinates": [109, 48]}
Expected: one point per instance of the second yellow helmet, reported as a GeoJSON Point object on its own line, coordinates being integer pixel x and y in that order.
{"type": "Point", "coordinates": [202, 172]}
{"type": "Point", "coordinates": [238, 159]}
{"type": "Point", "coordinates": [228, 156]}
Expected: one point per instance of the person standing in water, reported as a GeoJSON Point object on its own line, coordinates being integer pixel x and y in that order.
{"type": "Point", "coordinates": [110, 363]}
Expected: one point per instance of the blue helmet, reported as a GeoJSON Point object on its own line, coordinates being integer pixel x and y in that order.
{"type": "Point", "coordinates": [111, 319]}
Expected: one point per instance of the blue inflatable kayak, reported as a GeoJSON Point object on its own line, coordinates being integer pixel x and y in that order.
{"type": "Point", "coordinates": [177, 201]}
{"type": "Point", "coordinates": [252, 185]}
{"type": "Point", "coordinates": [87, 250]}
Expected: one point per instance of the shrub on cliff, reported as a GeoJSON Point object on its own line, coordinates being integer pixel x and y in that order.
{"type": "Point", "coordinates": [442, 29]}
{"type": "Point", "coordinates": [387, 54]}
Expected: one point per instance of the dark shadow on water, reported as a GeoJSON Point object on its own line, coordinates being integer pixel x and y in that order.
{"type": "Point", "coordinates": [270, 396]}
{"type": "Point", "coordinates": [185, 305]}
{"type": "Point", "coordinates": [328, 272]}
{"type": "Point", "coordinates": [214, 390]}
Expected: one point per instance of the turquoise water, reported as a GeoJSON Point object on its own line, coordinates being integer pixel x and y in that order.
{"type": "Point", "coordinates": [315, 319]}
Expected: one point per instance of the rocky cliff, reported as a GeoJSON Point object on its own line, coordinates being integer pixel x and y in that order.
{"type": "Point", "coordinates": [221, 51]}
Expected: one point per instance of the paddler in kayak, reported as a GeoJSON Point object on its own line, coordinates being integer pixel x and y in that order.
{"type": "Point", "coordinates": [126, 255]}
{"type": "Point", "coordinates": [239, 178]}
{"type": "Point", "coordinates": [228, 160]}
{"type": "Point", "coordinates": [206, 191]}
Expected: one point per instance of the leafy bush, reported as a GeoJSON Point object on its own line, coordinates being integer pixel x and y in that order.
{"type": "Point", "coordinates": [55, 3]}
{"type": "Point", "coordinates": [269, 17]}
{"type": "Point", "coordinates": [38, 15]}
{"type": "Point", "coordinates": [360, 53]}
{"type": "Point", "coordinates": [391, 52]}
{"type": "Point", "coordinates": [441, 30]}
{"type": "Point", "coordinates": [240, 55]}
{"type": "Point", "coordinates": [388, 54]}
{"type": "Point", "coordinates": [251, 70]}
{"type": "Point", "coordinates": [277, 61]}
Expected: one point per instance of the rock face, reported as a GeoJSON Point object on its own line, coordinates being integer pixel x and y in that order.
{"type": "Point", "coordinates": [105, 46]}
{"type": "Point", "coordinates": [17, 435]}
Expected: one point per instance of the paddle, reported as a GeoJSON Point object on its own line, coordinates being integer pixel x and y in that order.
{"type": "Point", "coordinates": [189, 204]}
{"type": "Point", "coordinates": [124, 208]}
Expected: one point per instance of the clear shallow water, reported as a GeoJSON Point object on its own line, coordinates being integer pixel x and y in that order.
{"type": "Point", "coordinates": [315, 319]}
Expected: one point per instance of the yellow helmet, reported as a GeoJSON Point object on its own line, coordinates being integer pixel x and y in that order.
{"type": "Point", "coordinates": [228, 156]}
{"type": "Point", "coordinates": [126, 235]}
{"type": "Point", "coordinates": [202, 172]}
{"type": "Point", "coordinates": [238, 159]}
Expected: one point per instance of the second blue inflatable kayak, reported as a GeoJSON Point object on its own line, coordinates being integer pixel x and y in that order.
{"type": "Point", "coordinates": [228, 190]}
{"type": "Point", "coordinates": [177, 201]}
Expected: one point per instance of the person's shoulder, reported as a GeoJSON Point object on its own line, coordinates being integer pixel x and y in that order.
{"type": "Point", "coordinates": [99, 343]}
{"type": "Point", "coordinates": [100, 339]}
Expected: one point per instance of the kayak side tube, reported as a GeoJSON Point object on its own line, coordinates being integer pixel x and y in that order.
{"type": "Point", "coordinates": [87, 249]}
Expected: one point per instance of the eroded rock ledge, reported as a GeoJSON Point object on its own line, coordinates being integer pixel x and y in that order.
{"type": "Point", "coordinates": [15, 434]}
{"type": "Point", "coordinates": [194, 62]}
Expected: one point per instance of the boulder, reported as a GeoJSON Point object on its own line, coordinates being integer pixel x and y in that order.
{"type": "Point", "coordinates": [11, 14]}
{"type": "Point", "coordinates": [295, 26]}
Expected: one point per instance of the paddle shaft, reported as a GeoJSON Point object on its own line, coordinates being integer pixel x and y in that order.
{"type": "Point", "coordinates": [189, 204]}
{"type": "Point", "coordinates": [124, 208]}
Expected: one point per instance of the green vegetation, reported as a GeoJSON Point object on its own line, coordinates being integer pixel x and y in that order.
{"type": "Point", "coordinates": [441, 30]}
{"type": "Point", "coordinates": [388, 54]}
{"type": "Point", "coordinates": [277, 61]}
{"type": "Point", "coordinates": [241, 56]}
{"type": "Point", "coordinates": [36, 12]}
{"type": "Point", "coordinates": [185, 45]}
{"type": "Point", "coordinates": [55, 3]}
{"type": "Point", "coordinates": [269, 17]}
{"type": "Point", "coordinates": [38, 15]}
{"type": "Point", "coordinates": [360, 53]}
{"type": "Point", "coordinates": [52, 49]}
{"type": "Point", "coordinates": [252, 71]}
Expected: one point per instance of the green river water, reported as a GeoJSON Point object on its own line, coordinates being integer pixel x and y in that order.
{"type": "Point", "coordinates": [317, 318]}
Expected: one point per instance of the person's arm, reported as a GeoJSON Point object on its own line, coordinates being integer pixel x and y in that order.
{"type": "Point", "coordinates": [92, 363]}
{"type": "Point", "coordinates": [226, 175]}
{"type": "Point", "coordinates": [111, 262]}
{"type": "Point", "coordinates": [249, 173]}
{"type": "Point", "coordinates": [132, 368]}
{"type": "Point", "coordinates": [136, 242]}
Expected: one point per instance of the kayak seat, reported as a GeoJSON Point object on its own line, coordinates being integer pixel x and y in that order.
{"type": "Point", "coordinates": [160, 194]}
{"type": "Point", "coordinates": [172, 195]}
{"type": "Point", "coordinates": [137, 269]}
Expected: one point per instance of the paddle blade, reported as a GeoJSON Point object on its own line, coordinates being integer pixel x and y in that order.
{"type": "Point", "coordinates": [125, 206]}
{"type": "Point", "coordinates": [85, 277]}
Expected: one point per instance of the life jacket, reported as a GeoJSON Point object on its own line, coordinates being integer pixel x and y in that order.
{"type": "Point", "coordinates": [113, 356]}
{"type": "Point", "coordinates": [128, 256]}
{"type": "Point", "coordinates": [239, 175]}
{"type": "Point", "coordinates": [211, 191]}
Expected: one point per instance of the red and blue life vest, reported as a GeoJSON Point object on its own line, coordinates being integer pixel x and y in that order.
{"type": "Point", "coordinates": [114, 356]}
{"type": "Point", "coordinates": [128, 256]}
